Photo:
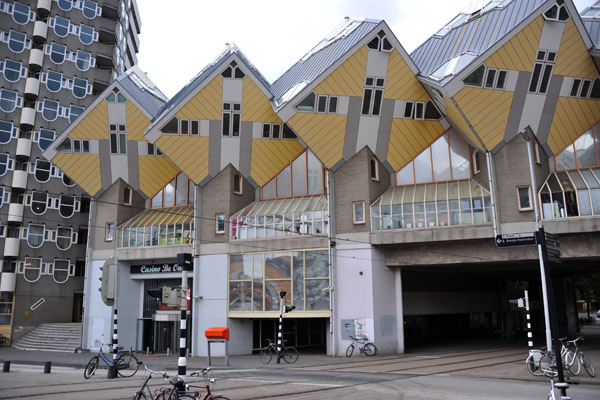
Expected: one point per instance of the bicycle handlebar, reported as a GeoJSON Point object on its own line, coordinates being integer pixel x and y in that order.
{"type": "Point", "coordinates": [163, 373]}
{"type": "Point", "coordinates": [204, 371]}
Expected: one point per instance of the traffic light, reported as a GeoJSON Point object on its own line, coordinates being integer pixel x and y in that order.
{"type": "Point", "coordinates": [289, 308]}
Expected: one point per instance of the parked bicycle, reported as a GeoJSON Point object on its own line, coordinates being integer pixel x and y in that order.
{"type": "Point", "coordinates": [288, 353]}
{"type": "Point", "coordinates": [175, 393]}
{"type": "Point", "coordinates": [572, 359]}
{"type": "Point", "coordinates": [363, 345]}
{"type": "Point", "coordinates": [209, 383]}
{"type": "Point", "coordinates": [551, 372]}
{"type": "Point", "coordinates": [126, 365]}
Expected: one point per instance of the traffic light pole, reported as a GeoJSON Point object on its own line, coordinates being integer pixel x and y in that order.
{"type": "Point", "coordinates": [182, 361]}
{"type": "Point", "coordinates": [279, 331]}
{"type": "Point", "coordinates": [112, 369]}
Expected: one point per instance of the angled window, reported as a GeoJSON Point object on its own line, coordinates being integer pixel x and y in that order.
{"type": "Point", "coordinates": [431, 111]}
{"type": "Point", "coordinates": [65, 5]}
{"type": "Point", "coordinates": [65, 146]}
{"type": "Point", "coordinates": [84, 60]}
{"type": "Point", "coordinates": [237, 184]}
{"type": "Point", "coordinates": [39, 202]}
{"type": "Point", "coordinates": [584, 152]}
{"type": "Point", "coordinates": [87, 35]}
{"type": "Point", "coordinates": [53, 80]}
{"type": "Point", "coordinates": [32, 269]}
{"type": "Point", "coordinates": [178, 192]}
{"type": "Point", "coordinates": [22, 14]}
{"type": "Point", "coordinates": [558, 12]}
{"type": "Point", "coordinates": [81, 88]}
{"type": "Point", "coordinates": [61, 271]}
{"type": "Point", "coordinates": [302, 176]}
{"type": "Point", "coordinates": [9, 100]}
{"type": "Point", "coordinates": [17, 41]}
{"type": "Point", "coordinates": [308, 103]}
{"type": "Point", "coordinates": [13, 70]}
{"type": "Point", "coordinates": [380, 42]}
{"type": "Point", "coordinates": [542, 71]}
{"type": "Point", "coordinates": [57, 52]}
{"type": "Point", "coordinates": [231, 120]}
{"type": "Point", "coordinates": [35, 236]}
{"type": "Point", "coordinates": [42, 170]}
{"type": "Point", "coordinates": [233, 71]}
{"type": "Point", "coordinates": [118, 139]}
{"type": "Point", "coordinates": [67, 206]}
{"type": "Point", "coordinates": [476, 77]}
{"type": "Point", "coordinates": [7, 131]}
{"type": "Point", "coordinates": [171, 127]}
{"type": "Point", "coordinates": [373, 96]}
{"type": "Point", "coordinates": [6, 164]}
{"type": "Point", "coordinates": [64, 237]}
{"type": "Point", "coordinates": [288, 133]}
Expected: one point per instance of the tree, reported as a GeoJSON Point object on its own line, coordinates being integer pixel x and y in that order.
{"type": "Point", "coordinates": [588, 289]}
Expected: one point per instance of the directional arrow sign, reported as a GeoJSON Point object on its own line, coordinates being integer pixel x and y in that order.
{"type": "Point", "coordinates": [516, 239]}
{"type": "Point", "coordinates": [554, 255]}
{"type": "Point", "coordinates": [552, 240]}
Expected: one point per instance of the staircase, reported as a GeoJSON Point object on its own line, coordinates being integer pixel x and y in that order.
{"type": "Point", "coordinates": [51, 337]}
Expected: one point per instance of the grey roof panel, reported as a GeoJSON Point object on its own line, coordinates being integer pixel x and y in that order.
{"type": "Point", "coordinates": [145, 98]}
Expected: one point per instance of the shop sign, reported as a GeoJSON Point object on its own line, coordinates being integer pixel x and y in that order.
{"type": "Point", "coordinates": [156, 268]}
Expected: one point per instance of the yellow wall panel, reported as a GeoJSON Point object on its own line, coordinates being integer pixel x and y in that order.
{"type": "Point", "coordinates": [572, 118]}
{"type": "Point", "coordinates": [94, 125]}
{"type": "Point", "coordinates": [189, 153]}
{"type": "Point", "coordinates": [458, 120]}
{"type": "Point", "coordinates": [155, 172]}
{"type": "Point", "coordinates": [410, 137]}
{"type": "Point", "coordinates": [401, 83]}
{"type": "Point", "coordinates": [137, 122]}
{"type": "Point", "coordinates": [270, 156]}
{"type": "Point", "coordinates": [256, 107]}
{"type": "Point", "coordinates": [323, 133]}
{"type": "Point", "coordinates": [520, 51]}
{"type": "Point", "coordinates": [206, 104]}
{"type": "Point", "coordinates": [487, 111]}
{"type": "Point", "coordinates": [573, 56]}
{"type": "Point", "coordinates": [84, 169]}
{"type": "Point", "coordinates": [349, 78]}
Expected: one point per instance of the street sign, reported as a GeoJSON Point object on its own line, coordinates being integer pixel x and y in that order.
{"type": "Point", "coordinates": [516, 239]}
{"type": "Point", "coordinates": [552, 240]}
{"type": "Point", "coordinates": [554, 255]}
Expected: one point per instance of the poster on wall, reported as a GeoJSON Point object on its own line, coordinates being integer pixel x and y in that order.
{"type": "Point", "coordinates": [363, 327]}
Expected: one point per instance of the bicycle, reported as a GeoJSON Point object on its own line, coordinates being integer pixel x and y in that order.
{"type": "Point", "coordinates": [126, 365]}
{"type": "Point", "coordinates": [363, 345]}
{"type": "Point", "coordinates": [288, 353]}
{"type": "Point", "coordinates": [209, 383]}
{"type": "Point", "coordinates": [552, 373]}
{"type": "Point", "coordinates": [575, 359]}
{"type": "Point", "coordinates": [547, 362]}
{"type": "Point", "coordinates": [533, 362]}
{"type": "Point", "coordinates": [178, 391]}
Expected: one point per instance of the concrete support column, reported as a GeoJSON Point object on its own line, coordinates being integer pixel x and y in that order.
{"type": "Point", "coordinates": [399, 310]}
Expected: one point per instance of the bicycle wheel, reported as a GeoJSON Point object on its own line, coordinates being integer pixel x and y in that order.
{"type": "Point", "coordinates": [90, 368]}
{"type": "Point", "coordinates": [370, 349]}
{"type": "Point", "coordinates": [219, 398]}
{"type": "Point", "coordinates": [127, 365]}
{"type": "Point", "coordinates": [548, 364]}
{"type": "Point", "coordinates": [587, 365]}
{"type": "Point", "coordinates": [533, 366]}
{"type": "Point", "coordinates": [290, 355]}
{"type": "Point", "coordinates": [266, 355]}
{"type": "Point", "coordinates": [350, 350]}
{"type": "Point", "coordinates": [572, 363]}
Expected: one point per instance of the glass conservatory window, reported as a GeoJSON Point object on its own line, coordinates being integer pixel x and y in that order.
{"type": "Point", "coordinates": [64, 237]}
{"type": "Point", "coordinates": [32, 269]}
{"type": "Point", "coordinates": [178, 192]}
{"type": "Point", "coordinates": [573, 193]}
{"type": "Point", "coordinates": [157, 228]}
{"type": "Point", "coordinates": [35, 236]}
{"type": "Point", "coordinates": [39, 202]}
{"type": "Point", "coordinates": [584, 152]}
{"type": "Point", "coordinates": [463, 202]}
{"type": "Point", "coordinates": [302, 176]}
{"type": "Point", "coordinates": [255, 281]}
{"type": "Point", "coordinates": [61, 271]}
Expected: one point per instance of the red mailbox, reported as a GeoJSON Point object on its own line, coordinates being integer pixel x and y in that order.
{"type": "Point", "coordinates": [217, 333]}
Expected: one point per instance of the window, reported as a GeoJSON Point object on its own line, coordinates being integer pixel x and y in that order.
{"type": "Point", "coordinates": [380, 43]}
{"type": "Point", "coordinates": [81, 88]}
{"type": "Point", "coordinates": [494, 78]}
{"type": "Point", "coordinates": [374, 169]}
{"type": "Point", "coordinates": [90, 9]}
{"type": "Point", "coordinates": [57, 52]}
{"type": "Point", "coordinates": [61, 271]}
{"type": "Point", "coordinates": [6, 304]}
{"type": "Point", "coordinates": [42, 170]}
{"type": "Point", "coordinates": [373, 96]}
{"type": "Point", "coordinates": [9, 100]}
{"type": "Point", "coordinates": [87, 35]}
{"type": "Point", "coordinates": [17, 41]}
{"type": "Point", "coordinates": [74, 112]}
{"type": "Point", "coordinates": [581, 88]}
{"type": "Point", "coordinates": [68, 182]}
{"type": "Point", "coordinates": [54, 80]}
{"type": "Point", "coordinates": [67, 206]}
{"type": "Point", "coordinates": [12, 70]}
{"type": "Point", "coordinates": [65, 5]}
{"type": "Point", "coordinates": [524, 197]}
{"type": "Point", "coordinates": [232, 115]}
{"type": "Point", "coordinates": [39, 202]}
{"type": "Point", "coordinates": [358, 212]}
{"type": "Point", "coordinates": [220, 223]}
{"type": "Point", "coordinates": [476, 77]}
{"type": "Point", "coordinates": [558, 12]}
{"type": "Point", "coordinates": [272, 131]}
{"type": "Point", "coordinates": [60, 25]}
{"type": "Point", "coordinates": [536, 147]}
{"type": "Point", "coordinates": [31, 269]}
{"type": "Point", "coordinates": [127, 196]}
{"type": "Point", "coordinates": [233, 71]}
{"type": "Point", "coordinates": [6, 164]}
{"type": "Point", "coordinates": [171, 127]}
{"type": "Point", "coordinates": [237, 184]}
{"type": "Point", "coordinates": [22, 14]}
{"type": "Point", "coordinates": [303, 176]}
{"type": "Point", "coordinates": [178, 192]}
{"type": "Point", "coordinates": [50, 109]}
{"type": "Point", "coordinates": [475, 162]}
{"type": "Point", "coordinates": [542, 71]}
{"type": "Point", "coordinates": [64, 237]}
{"type": "Point", "coordinates": [7, 131]}
{"type": "Point", "coordinates": [118, 139]}
{"type": "Point", "coordinates": [152, 150]}
{"type": "Point", "coordinates": [308, 103]}
{"type": "Point", "coordinates": [84, 60]}
{"type": "Point", "coordinates": [109, 232]}
{"type": "Point", "coordinates": [4, 197]}
{"type": "Point", "coordinates": [35, 236]}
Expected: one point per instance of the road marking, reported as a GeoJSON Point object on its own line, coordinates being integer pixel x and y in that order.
{"type": "Point", "coordinates": [286, 382]}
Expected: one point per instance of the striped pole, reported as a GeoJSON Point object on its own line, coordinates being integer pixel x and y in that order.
{"type": "Point", "coordinates": [528, 317]}
{"type": "Point", "coordinates": [115, 343]}
{"type": "Point", "coordinates": [280, 330]}
{"type": "Point", "coordinates": [182, 361]}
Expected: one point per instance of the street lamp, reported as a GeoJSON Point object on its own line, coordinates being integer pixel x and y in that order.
{"type": "Point", "coordinates": [546, 277]}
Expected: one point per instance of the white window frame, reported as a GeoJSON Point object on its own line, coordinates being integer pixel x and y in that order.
{"type": "Point", "coordinates": [544, 62]}
{"type": "Point", "coordinates": [519, 189]}
{"type": "Point", "coordinates": [232, 112]}
{"type": "Point", "coordinates": [117, 132]}
{"type": "Point", "coordinates": [355, 220]}
{"type": "Point", "coordinates": [374, 169]}
{"type": "Point", "coordinates": [52, 270]}
{"type": "Point", "coordinates": [217, 219]}
{"type": "Point", "coordinates": [69, 237]}
{"type": "Point", "coordinates": [373, 88]}
{"type": "Point", "coordinates": [109, 232]}
{"type": "Point", "coordinates": [22, 71]}
{"type": "Point", "coordinates": [26, 232]}
{"type": "Point", "coordinates": [18, 100]}
{"type": "Point", "coordinates": [23, 268]}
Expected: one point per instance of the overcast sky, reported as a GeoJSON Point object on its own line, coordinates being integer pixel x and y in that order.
{"type": "Point", "coordinates": [180, 37]}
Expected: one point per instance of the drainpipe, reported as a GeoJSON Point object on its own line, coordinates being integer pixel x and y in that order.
{"type": "Point", "coordinates": [85, 273]}
{"type": "Point", "coordinates": [331, 269]}
{"type": "Point", "coordinates": [492, 186]}
{"type": "Point", "coordinates": [196, 261]}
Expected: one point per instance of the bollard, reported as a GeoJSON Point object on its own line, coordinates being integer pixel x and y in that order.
{"type": "Point", "coordinates": [112, 372]}
{"type": "Point", "coordinates": [168, 351]}
{"type": "Point", "coordinates": [147, 350]}
{"type": "Point", "coordinates": [47, 367]}
{"type": "Point", "coordinates": [6, 366]}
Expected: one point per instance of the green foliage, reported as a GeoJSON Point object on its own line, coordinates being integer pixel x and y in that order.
{"type": "Point", "coordinates": [588, 289]}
